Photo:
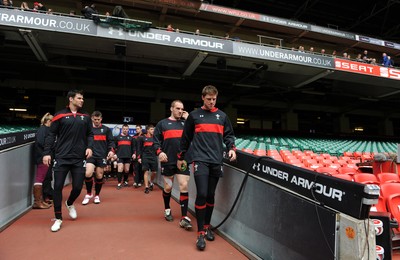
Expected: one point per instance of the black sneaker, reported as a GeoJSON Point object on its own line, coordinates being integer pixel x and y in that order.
{"type": "Point", "coordinates": [200, 243]}
{"type": "Point", "coordinates": [146, 190]}
{"type": "Point", "coordinates": [209, 234]}
{"type": "Point", "coordinates": [151, 186]}
{"type": "Point", "coordinates": [125, 183]}
{"type": "Point", "coordinates": [119, 186]}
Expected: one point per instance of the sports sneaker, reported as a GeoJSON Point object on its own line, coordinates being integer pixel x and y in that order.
{"type": "Point", "coordinates": [125, 183]}
{"type": "Point", "coordinates": [139, 184]}
{"type": "Point", "coordinates": [209, 234]}
{"type": "Point", "coordinates": [168, 215]}
{"type": "Point", "coordinates": [87, 199]}
{"type": "Point", "coordinates": [146, 190]}
{"type": "Point", "coordinates": [96, 200]}
{"type": "Point", "coordinates": [135, 185]}
{"type": "Point", "coordinates": [200, 243]}
{"type": "Point", "coordinates": [56, 226]}
{"type": "Point", "coordinates": [71, 211]}
{"type": "Point", "coordinates": [151, 186]}
{"type": "Point", "coordinates": [185, 223]}
{"type": "Point", "coordinates": [119, 186]}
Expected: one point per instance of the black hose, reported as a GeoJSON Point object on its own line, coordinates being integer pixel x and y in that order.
{"type": "Point", "coordinates": [239, 192]}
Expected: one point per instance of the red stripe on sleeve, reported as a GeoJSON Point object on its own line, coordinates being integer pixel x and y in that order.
{"type": "Point", "coordinates": [57, 117]}
{"type": "Point", "coordinates": [209, 128]}
{"type": "Point", "coordinates": [172, 134]}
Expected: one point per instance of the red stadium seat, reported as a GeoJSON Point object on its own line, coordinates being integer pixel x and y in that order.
{"type": "Point", "coordinates": [326, 156]}
{"type": "Point", "coordinates": [326, 162]}
{"type": "Point", "coordinates": [260, 152]}
{"type": "Point", "coordinates": [247, 150]}
{"type": "Point", "coordinates": [343, 176]}
{"type": "Point", "coordinates": [388, 177]}
{"type": "Point", "coordinates": [348, 154]}
{"type": "Point", "coordinates": [329, 170]}
{"type": "Point", "coordinates": [335, 166]}
{"type": "Point", "coordinates": [342, 162]}
{"type": "Point", "coordinates": [314, 166]}
{"type": "Point", "coordinates": [390, 193]}
{"type": "Point", "coordinates": [366, 178]}
{"type": "Point", "coordinates": [393, 207]}
{"type": "Point", "coordinates": [347, 170]}
{"type": "Point", "coordinates": [299, 164]}
{"type": "Point", "coordinates": [380, 206]}
{"type": "Point", "coordinates": [390, 188]}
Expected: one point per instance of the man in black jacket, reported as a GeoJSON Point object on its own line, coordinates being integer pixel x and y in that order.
{"type": "Point", "coordinates": [70, 139]}
{"type": "Point", "coordinates": [205, 131]}
{"type": "Point", "coordinates": [88, 12]}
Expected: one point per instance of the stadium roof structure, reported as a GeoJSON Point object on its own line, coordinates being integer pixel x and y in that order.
{"type": "Point", "coordinates": [372, 18]}
{"type": "Point", "coordinates": [118, 71]}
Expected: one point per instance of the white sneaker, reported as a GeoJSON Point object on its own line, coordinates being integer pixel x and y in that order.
{"type": "Point", "coordinates": [57, 225]}
{"type": "Point", "coordinates": [87, 199]}
{"type": "Point", "coordinates": [71, 211]}
{"type": "Point", "coordinates": [96, 200]}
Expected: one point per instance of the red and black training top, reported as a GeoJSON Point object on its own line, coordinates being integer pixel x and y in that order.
{"type": "Point", "coordinates": [103, 141]}
{"type": "Point", "coordinates": [145, 147]}
{"type": "Point", "coordinates": [125, 146]}
{"type": "Point", "coordinates": [73, 132]}
{"type": "Point", "coordinates": [167, 136]}
{"type": "Point", "coordinates": [207, 131]}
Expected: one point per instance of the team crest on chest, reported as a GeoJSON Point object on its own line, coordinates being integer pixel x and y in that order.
{"type": "Point", "coordinates": [82, 117]}
{"type": "Point", "coordinates": [217, 116]}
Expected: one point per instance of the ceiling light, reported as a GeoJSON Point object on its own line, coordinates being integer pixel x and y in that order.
{"type": "Point", "coordinates": [18, 109]}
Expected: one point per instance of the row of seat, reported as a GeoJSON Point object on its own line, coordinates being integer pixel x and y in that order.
{"type": "Point", "coordinates": [369, 178]}
{"type": "Point", "coordinates": [7, 129]}
{"type": "Point", "coordinates": [332, 146]}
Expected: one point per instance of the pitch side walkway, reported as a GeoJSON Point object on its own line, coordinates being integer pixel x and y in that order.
{"type": "Point", "coordinates": [128, 224]}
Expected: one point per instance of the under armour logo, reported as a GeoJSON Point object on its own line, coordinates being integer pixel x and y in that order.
{"type": "Point", "coordinates": [256, 166]}
{"type": "Point", "coordinates": [111, 31]}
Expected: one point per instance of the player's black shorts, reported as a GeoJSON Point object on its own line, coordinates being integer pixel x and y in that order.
{"type": "Point", "coordinates": [209, 169]}
{"type": "Point", "coordinates": [97, 162]}
{"type": "Point", "coordinates": [170, 170]}
{"type": "Point", "coordinates": [149, 165]}
{"type": "Point", "coordinates": [67, 163]}
{"type": "Point", "coordinates": [124, 160]}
